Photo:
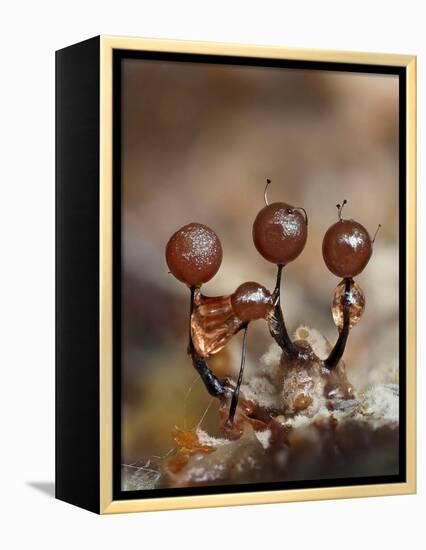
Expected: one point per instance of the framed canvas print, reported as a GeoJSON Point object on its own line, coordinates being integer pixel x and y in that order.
{"type": "Point", "coordinates": [235, 274]}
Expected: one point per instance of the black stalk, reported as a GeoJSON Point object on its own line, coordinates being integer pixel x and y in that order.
{"type": "Point", "coordinates": [236, 393]}
{"type": "Point", "coordinates": [276, 322]}
{"type": "Point", "coordinates": [339, 348]}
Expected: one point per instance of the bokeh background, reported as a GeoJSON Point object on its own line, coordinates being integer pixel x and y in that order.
{"type": "Point", "coordinates": [199, 140]}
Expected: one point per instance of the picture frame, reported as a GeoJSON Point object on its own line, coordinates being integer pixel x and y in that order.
{"type": "Point", "coordinates": [89, 187]}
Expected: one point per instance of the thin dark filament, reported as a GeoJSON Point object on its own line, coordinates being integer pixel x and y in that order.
{"type": "Point", "coordinates": [304, 211]}
{"type": "Point", "coordinates": [265, 193]}
{"type": "Point", "coordinates": [235, 396]}
{"type": "Point", "coordinates": [375, 234]}
{"type": "Point", "coordinates": [191, 310]}
{"type": "Point", "coordinates": [340, 208]}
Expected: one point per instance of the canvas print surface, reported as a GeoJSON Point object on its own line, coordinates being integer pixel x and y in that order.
{"type": "Point", "coordinates": [260, 275]}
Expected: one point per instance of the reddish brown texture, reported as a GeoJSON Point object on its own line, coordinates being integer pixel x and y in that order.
{"type": "Point", "coordinates": [280, 232]}
{"type": "Point", "coordinates": [194, 254]}
{"type": "Point", "coordinates": [188, 444]}
{"type": "Point", "coordinates": [243, 417]}
{"type": "Point", "coordinates": [346, 248]}
{"type": "Point", "coordinates": [251, 301]}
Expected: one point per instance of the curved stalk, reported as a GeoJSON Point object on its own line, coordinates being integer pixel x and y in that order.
{"type": "Point", "coordinates": [276, 322]}
{"type": "Point", "coordinates": [339, 347]}
{"type": "Point", "coordinates": [236, 393]}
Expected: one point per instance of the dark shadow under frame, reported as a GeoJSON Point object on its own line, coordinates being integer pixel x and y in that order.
{"type": "Point", "coordinates": [118, 57]}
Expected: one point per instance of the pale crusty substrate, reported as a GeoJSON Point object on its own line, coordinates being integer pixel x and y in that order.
{"type": "Point", "coordinates": [335, 437]}
{"type": "Point", "coordinates": [358, 441]}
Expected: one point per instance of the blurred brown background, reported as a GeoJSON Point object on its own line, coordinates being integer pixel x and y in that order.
{"type": "Point", "coordinates": [198, 143]}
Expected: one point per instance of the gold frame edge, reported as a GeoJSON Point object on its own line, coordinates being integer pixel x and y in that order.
{"type": "Point", "coordinates": [105, 276]}
{"type": "Point", "coordinates": [107, 504]}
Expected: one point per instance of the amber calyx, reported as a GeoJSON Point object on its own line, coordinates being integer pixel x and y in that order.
{"type": "Point", "coordinates": [354, 300]}
{"type": "Point", "coordinates": [213, 323]}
